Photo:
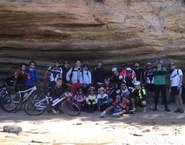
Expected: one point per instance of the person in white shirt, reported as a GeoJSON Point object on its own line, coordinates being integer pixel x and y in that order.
{"type": "Point", "coordinates": [176, 79]}
{"type": "Point", "coordinates": [74, 76]}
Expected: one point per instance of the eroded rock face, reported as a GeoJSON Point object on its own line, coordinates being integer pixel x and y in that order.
{"type": "Point", "coordinates": [115, 31]}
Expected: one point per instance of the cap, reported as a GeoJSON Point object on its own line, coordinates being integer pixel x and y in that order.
{"type": "Point", "coordinates": [114, 69]}
{"type": "Point", "coordinates": [148, 64]}
{"type": "Point", "coordinates": [159, 61]}
{"type": "Point", "coordinates": [91, 88]}
{"type": "Point", "coordinates": [137, 83]}
{"type": "Point", "coordinates": [128, 68]}
{"type": "Point", "coordinates": [171, 64]}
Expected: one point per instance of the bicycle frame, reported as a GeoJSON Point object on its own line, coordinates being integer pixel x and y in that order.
{"type": "Point", "coordinates": [31, 90]}
{"type": "Point", "coordinates": [60, 99]}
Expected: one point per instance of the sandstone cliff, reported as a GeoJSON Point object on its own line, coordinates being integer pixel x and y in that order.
{"type": "Point", "coordinates": [114, 31]}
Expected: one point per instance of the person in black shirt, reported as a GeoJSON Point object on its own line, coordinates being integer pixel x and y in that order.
{"type": "Point", "coordinates": [55, 92]}
{"type": "Point", "coordinates": [65, 69]}
{"type": "Point", "coordinates": [98, 75]}
{"type": "Point", "coordinates": [139, 72]}
{"type": "Point", "coordinates": [115, 80]}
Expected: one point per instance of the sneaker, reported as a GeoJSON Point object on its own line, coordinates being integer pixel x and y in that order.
{"type": "Point", "coordinates": [167, 109]}
{"type": "Point", "coordinates": [177, 111]}
{"type": "Point", "coordinates": [181, 110]}
{"type": "Point", "coordinates": [133, 109]}
{"type": "Point", "coordinates": [144, 109]}
{"type": "Point", "coordinates": [102, 115]}
{"type": "Point", "coordinates": [117, 113]}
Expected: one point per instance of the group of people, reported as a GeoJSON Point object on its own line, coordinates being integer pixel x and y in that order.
{"type": "Point", "coordinates": [122, 93]}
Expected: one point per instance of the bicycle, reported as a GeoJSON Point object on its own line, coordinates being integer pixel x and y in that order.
{"type": "Point", "coordinates": [20, 99]}
{"type": "Point", "coordinates": [38, 107]}
{"type": "Point", "coordinates": [5, 95]}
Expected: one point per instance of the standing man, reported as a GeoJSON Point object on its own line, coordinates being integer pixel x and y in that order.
{"type": "Point", "coordinates": [65, 69]}
{"type": "Point", "coordinates": [139, 72]}
{"type": "Point", "coordinates": [160, 84]}
{"type": "Point", "coordinates": [176, 79]}
{"type": "Point", "coordinates": [34, 75]}
{"type": "Point", "coordinates": [115, 78]}
{"type": "Point", "coordinates": [98, 75]}
{"type": "Point", "coordinates": [75, 77]}
{"type": "Point", "coordinates": [55, 73]}
{"type": "Point", "coordinates": [129, 76]}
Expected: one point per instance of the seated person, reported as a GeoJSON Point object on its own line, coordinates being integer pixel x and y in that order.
{"type": "Point", "coordinates": [109, 88]}
{"type": "Point", "coordinates": [103, 99]}
{"type": "Point", "coordinates": [68, 94]}
{"type": "Point", "coordinates": [55, 92]}
{"type": "Point", "coordinates": [123, 91]}
{"type": "Point", "coordinates": [80, 99]}
{"type": "Point", "coordinates": [121, 104]}
{"type": "Point", "coordinates": [91, 100]}
{"type": "Point", "coordinates": [138, 97]}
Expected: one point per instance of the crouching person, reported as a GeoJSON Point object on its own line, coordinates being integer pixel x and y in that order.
{"type": "Point", "coordinates": [138, 97]}
{"type": "Point", "coordinates": [91, 100]}
{"type": "Point", "coordinates": [121, 104]}
{"type": "Point", "coordinates": [103, 99]}
{"type": "Point", "coordinates": [55, 92]}
{"type": "Point", "coordinates": [80, 99]}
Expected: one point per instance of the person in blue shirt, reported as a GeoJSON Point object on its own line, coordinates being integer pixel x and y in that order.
{"type": "Point", "coordinates": [34, 75]}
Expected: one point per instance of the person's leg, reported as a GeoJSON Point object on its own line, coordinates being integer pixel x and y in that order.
{"type": "Point", "coordinates": [133, 105]}
{"type": "Point", "coordinates": [157, 91]}
{"type": "Point", "coordinates": [163, 93]}
{"type": "Point", "coordinates": [180, 100]}
{"type": "Point", "coordinates": [143, 104]}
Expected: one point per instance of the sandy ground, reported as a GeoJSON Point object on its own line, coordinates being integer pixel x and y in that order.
{"type": "Point", "coordinates": [54, 129]}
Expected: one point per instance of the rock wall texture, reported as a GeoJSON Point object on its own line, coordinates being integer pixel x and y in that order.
{"type": "Point", "coordinates": [115, 31]}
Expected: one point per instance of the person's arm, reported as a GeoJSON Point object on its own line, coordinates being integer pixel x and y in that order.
{"type": "Point", "coordinates": [36, 76]}
{"type": "Point", "coordinates": [16, 74]}
{"type": "Point", "coordinates": [61, 72]}
{"type": "Point", "coordinates": [68, 75]}
{"type": "Point", "coordinates": [181, 77]}
{"type": "Point", "coordinates": [45, 74]}
{"type": "Point", "coordinates": [28, 75]}
{"type": "Point", "coordinates": [90, 78]}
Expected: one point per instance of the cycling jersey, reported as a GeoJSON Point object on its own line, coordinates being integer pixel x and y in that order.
{"type": "Point", "coordinates": [54, 73]}
{"type": "Point", "coordinates": [149, 77]}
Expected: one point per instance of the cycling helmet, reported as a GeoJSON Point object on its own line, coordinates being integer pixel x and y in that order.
{"type": "Point", "coordinates": [137, 83]}
{"type": "Point", "coordinates": [159, 61]}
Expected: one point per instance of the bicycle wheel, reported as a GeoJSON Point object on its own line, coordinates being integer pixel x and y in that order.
{"type": "Point", "coordinates": [35, 107]}
{"type": "Point", "coordinates": [10, 103]}
{"type": "Point", "coordinates": [70, 108]}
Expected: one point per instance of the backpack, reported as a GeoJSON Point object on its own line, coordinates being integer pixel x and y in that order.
{"type": "Point", "coordinates": [176, 74]}
{"type": "Point", "coordinates": [71, 75]}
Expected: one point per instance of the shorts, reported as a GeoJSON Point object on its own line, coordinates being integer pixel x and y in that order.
{"type": "Point", "coordinates": [139, 103]}
{"type": "Point", "coordinates": [150, 87]}
{"type": "Point", "coordinates": [176, 91]}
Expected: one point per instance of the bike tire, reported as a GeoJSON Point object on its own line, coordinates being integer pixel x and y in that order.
{"type": "Point", "coordinates": [10, 103]}
{"type": "Point", "coordinates": [70, 108]}
{"type": "Point", "coordinates": [35, 107]}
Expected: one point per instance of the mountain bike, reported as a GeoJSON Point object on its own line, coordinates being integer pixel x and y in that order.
{"type": "Point", "coordinates": [19, 99]}
{"type": "Point", "coordinates": [39, 106]}
{"type": "Point", "coordinates": [5, 95]}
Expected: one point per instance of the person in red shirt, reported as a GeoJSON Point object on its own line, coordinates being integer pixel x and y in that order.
{"type": "Point", "coordinates": [21, 76]}
{"type": "Point", "coordinates": [128, 76]}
